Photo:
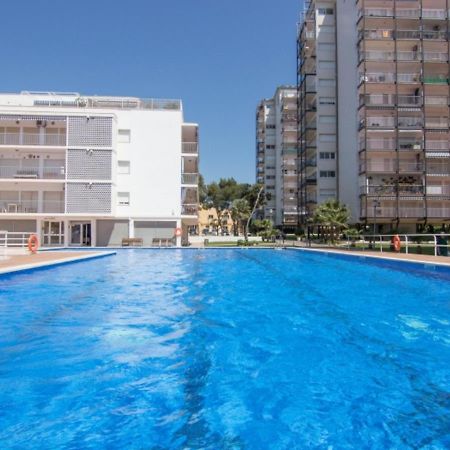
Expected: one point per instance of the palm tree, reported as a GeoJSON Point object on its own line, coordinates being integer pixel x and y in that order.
{"type": "Point", "coordinates": [333, 217]}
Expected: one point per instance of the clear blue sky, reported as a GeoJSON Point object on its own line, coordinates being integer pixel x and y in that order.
{"type": "Point", "coordinates": [219, 56]}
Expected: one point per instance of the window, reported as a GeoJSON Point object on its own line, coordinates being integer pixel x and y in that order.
{"type": "Point", "coordinates": [270, 127]}
{"type": "Point", "coordinates": [270, 147]}
{"type": "Point", "coordinates": [327, 174]}
{"type": "Point", "coordinates": [327, 138]}
{"type": "Point", "coordinates": [326, 46]}
{"type": "Point", "coordinates": [327, 155]}
{"type": "Point", "coordinates": [123, 198]}
{"type": "Point", "coordinates": [325, 11]}
{"type": "Point", "coordinates": [327, 193]}
{"type": "Point", "coordinates": [270, 167]}
{"type": "Point", "coordinates": [327, 82]}
{"type": "Point", "coordinates": [327, 65]}
{"type": "Point", "coordinates": [327, 101]}
{"type": "Point", "coordinates": [123, 167]}
{"type": "Point", "coordinates": [327, 119]}
{"type": "Point", "coordinates": [270, 177]}
{"type": "Point", "coordinates": [124, 136]}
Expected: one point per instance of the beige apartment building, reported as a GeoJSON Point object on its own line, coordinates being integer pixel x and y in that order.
{"type": "Point", "coordinates": [276, 156]}
{"type": "Point", "coordinates": [373, 86]}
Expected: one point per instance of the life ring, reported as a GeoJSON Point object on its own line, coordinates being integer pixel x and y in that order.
{"type": "Point", "coordinates": [33, 243]}
{"type": "Point", "coordinates": [396, 243]}
{"type": "Point", "coordinates": [178, 232]}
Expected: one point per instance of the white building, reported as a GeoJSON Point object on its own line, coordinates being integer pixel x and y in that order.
{"type": "Point", "coordinates": [276, 155]}
{"type": "Point", "coordinates": [91, 171]}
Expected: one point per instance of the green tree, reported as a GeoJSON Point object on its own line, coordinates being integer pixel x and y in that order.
{"type": "Point", "coordinates": [202, 190]}
{"type": "Point", "coordinates": [333, 217]}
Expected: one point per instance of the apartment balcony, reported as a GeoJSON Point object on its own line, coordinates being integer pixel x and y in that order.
{"type": "Point", "coordinates": [440, 14]}
{"type": "Point", "coordinates": [190, 148]}
{"type": "Point", "coordinates": [18, 171]}
{"type": "Point", "coordinates": [377, 77]}
{"type": "Point", "coordinates": [439, 212]}
{"type": "Point", "coordinates": [433, 100]}
{"type": "Point", "coordinates": [35, 139]}
{"type": "Point", "coordinates": [437, 122]}
{"type": "Point", "coordinates": [402, 190]}
{"type": "Point", "coordinates": [435, 79]}
{"type": "Point", "coordinates": [438, 170]}
{"type": "Point", "coordinates": [189, 209]}
{"type": "Point", "coordinates": [437, 144]}
{"type": "Point", "coordinates": [14, 206]}
{"type": "Point", "coordinates": [377, 100]}
{"type": "Point", "coordinates": [376, 34]}
{"type": "Point", "coordinates": [410, 122]}
{"type": "Point", "coordinates": [440, 57]}
{"type": "Point", "coordinates": [378, 144]}
{"type": "Point", "coordinates": [189, 178]}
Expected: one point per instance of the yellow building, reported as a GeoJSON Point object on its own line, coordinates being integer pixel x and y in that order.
{"type": "Point", "coordinates": [208, 222]}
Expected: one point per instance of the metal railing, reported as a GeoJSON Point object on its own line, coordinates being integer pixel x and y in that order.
{"type": "Point", "coordinates": [14, 239]}
{"type": "Point", "coordinates": [434, 244]}
{"type": "Point", "coordinates": [56, 172]}
{"type": "Point", "coordinates": [189, 147]}
{"type": "Point", "coordinates": [54, 140]}
{"type": "Point", "coordinates": [14, 206]}
{"type": "Point", "coordinates": [189, 178]}
{"type": "Point", "coordinates": [189, 209]}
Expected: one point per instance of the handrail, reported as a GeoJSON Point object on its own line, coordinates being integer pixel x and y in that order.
{"type": "Point", "coordinates": [14, 238]}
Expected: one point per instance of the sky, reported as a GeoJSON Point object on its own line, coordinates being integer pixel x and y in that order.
{"type": "Point", "coordinates": [221, 57]}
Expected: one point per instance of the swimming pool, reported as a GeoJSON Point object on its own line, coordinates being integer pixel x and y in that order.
{"type": "Point", "coordinates": [224, 349]}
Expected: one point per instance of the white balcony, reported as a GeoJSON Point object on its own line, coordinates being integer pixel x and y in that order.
{"type": "Point", "coordinates": [14, 206]}
{"type": "Point", "coordinates": [18, 171]}
{"type": "Point", "coordinates": [189, 209]}
{"type": "Point", "coordinates": [36, 139]}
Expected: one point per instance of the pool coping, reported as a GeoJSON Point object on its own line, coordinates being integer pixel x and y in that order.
{"type": "Point", "coordinates": [429, 264]}
{"type": "Point", "coordinates": [53, 263]}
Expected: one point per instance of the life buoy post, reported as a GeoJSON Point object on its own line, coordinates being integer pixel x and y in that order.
{"type": "Point", "coordinates": [33, 243]}
{"type": "Point", "coordinates": [178, 232]}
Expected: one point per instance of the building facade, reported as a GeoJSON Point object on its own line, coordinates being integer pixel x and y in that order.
{"type": "Point", "coordinates": [91, 171]}
{"type": "Point", "coordinates": [373, 86]}
{"type": "Point", "coordinates": [276, 156]}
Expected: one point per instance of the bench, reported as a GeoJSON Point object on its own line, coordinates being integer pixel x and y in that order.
{"type": "Point", "coordinates": [132, 242]}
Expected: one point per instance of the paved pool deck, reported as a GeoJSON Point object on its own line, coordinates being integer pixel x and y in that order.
{"type": "Point", "coordinates": [425, 259]}
{"type": "Point", "coordinates": [17, 263]}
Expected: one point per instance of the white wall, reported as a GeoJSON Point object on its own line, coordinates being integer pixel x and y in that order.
{"type": "Point", "coordinates": [348, 106]}
{"type": "Point", "coordinates": [154, 152]}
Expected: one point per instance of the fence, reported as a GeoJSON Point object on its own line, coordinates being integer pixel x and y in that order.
{"type": "Point", "coordinates": [14, 239]}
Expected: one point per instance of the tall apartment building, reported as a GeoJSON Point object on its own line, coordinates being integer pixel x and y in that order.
{"type": "Point", "coordinates": [276, 155]}
{"type": "Point", "coordinates": [373, 84]}
{"type": "Point", "coordinates": [89, 170]}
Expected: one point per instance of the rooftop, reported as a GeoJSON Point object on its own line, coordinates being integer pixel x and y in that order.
{"type": "Point", "coordinates": [77, 100]}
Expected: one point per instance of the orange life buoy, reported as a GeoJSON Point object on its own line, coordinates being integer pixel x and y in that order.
{"type": "Point", "coordinates": [33, 243]}
{"type": "Point", "coordinates": [396, 242]}
{"type": "Point", "coordinates": [178, 232]}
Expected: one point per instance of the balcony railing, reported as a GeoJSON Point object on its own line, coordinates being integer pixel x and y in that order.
{"type": "Point", "coordinates": [378, 144]}
{"type": "Point", "coordinates": [389, 190]}
{"type": "Point", "coordinates": [437, 145]}
{"type": "Point", "coordinates": [189, 147]}
{"type": "Point", "coordinates": [435, 57]}
{"type": "Point", "coordinates": [436, 122]}
{"type": "Point", "coordinates": [14, 206]}
{"type": "Point", "coordinates": [53, 140]}
{"type": "Point", "coordinates": [48, 173]}
{"type": "Point", "coordinates": [434, 14]}
{"type": "Point", "coordinates": [189, 209]}
{"type": "Point", "coordinates": [410, 122]}
{"type": "Point", "coordinates": [189, 178]}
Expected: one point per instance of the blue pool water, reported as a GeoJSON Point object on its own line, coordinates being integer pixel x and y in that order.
{"type": "Point", "coordinates": [224, 349]}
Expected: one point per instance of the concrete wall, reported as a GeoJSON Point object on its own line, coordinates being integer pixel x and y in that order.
{"type": "Point", "coordinates": [111, 232]}
{"type": "Point", "coordinates": [154, 230]}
